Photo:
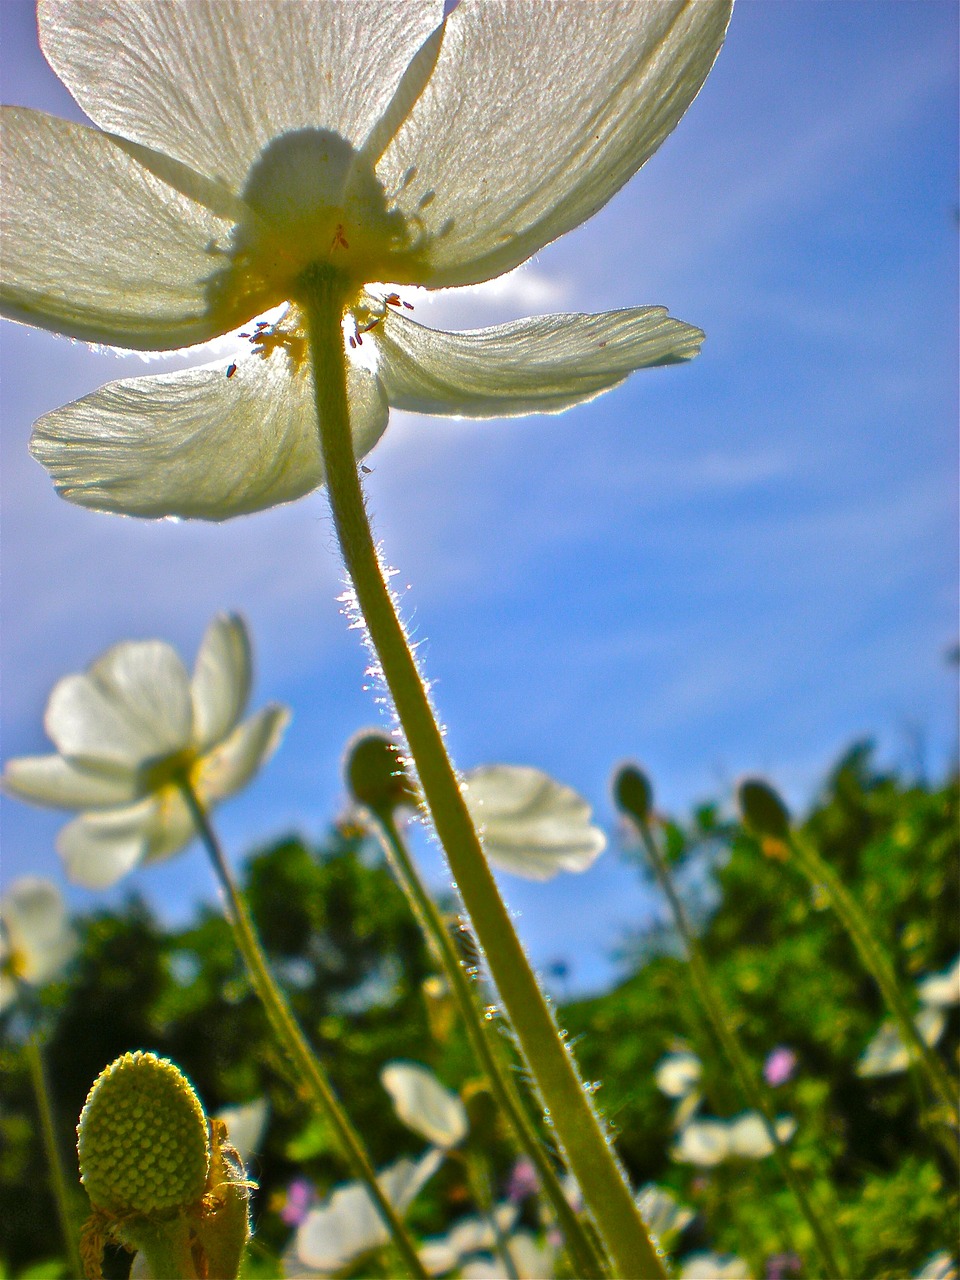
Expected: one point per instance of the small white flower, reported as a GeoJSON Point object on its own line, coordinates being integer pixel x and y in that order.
{"type": "Point", "coordinates": [243, 146]}
{"type": "Point", "coordinates": [939, 1266]}
{"type": "Point", "coordinates": [246, 1125]}
{"type": "Point", "coordinates": [940, 990]}
{"type": "Point", "coordinates": [678, 1074]}
{"type": "Point", "coordinates": [710, 1142]}
{"type": "Point", "coordinates": [531, 1261]}
{"type": "Point", "coordinates": [529, 824]}
{"type": "Point", "coordinates": [749, 1138]}
{"type": "Point", "coordinates": [662, 1213]}
{"type": "Point", "coordinates": [349, 1224]}
{"type": "Point", "coordinates": [702, 1142]}
{"type": "Point", "coordinates": [36, 938]}
{"type": "Point", "coordinates": [424, 1105]}
{"type": "Point", "coordinates": [714, 1266]}
{"type": "Point", "coordinates": [469, 1235]}
{"type": "Point", "coordinates": [886, 1054]}
{"type": "Point", "coordinates": [127, 729]}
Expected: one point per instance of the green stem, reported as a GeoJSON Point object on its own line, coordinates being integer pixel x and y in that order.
{"type": "Point", "coordinates": [478, 1177]}
{"type": "Point", "coordinates": [58, 1177]}
{"type": "Point", "coordinates": [823, 878]}
{"type": "Point", "coordinates": [581, 1135]}
{"type": "Point", "coordinates": [291, 1037]}
{"type": "Point", "coordinates": [485, 1044]}
{"type": "Point", "coordinates": [827, 1245]}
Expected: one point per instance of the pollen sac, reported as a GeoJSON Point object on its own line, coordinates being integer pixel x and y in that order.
{"type": "Point", "coordinates": [143, 1138]}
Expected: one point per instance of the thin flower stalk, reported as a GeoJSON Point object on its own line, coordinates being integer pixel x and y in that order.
{"type": "Point", "coordinates": [291, 1037]}
{"type": "Point", "coordinates": [827, 1245]}
{"type": "Point", "coordinates": [485, 1044]}
{"type": "Point", "coordinates": [323, 295]}
{"type": "Point", "coordinates": [850, 914]}
{"type": "Point", "coordinates": [58, 1177]}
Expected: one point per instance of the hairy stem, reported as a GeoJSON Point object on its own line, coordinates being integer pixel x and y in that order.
{"type": "Point", "coordinates": [292, 1038]}
{"type": "Point", "coordinates": [581, 1135]}
{"type": "Point", "coordinates": [484, 1041]}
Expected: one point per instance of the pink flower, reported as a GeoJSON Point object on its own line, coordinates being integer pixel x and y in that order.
{"type": "Point", "coordinates": [779, 1066]}
{"type": "Point", "coordinates": [523, 1181]}
{"type": "Point", "coordinates": [300, 1196]}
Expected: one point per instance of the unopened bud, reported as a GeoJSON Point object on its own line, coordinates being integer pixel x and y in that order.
{"type": "Point", "coordinates": [375, 773]}
{"type": "Point", "coordinates": [633, 793]}
{"type": "Point", "coordinates": [764, 813]}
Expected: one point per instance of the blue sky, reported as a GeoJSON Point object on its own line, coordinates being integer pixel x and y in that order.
{"type": "Point", "coordinates": [738, 565]}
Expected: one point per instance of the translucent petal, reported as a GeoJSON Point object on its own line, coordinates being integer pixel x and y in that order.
{"type": "Point", "coordinates": [424, 1105]}
{"type": "Point", "coordinates": [212, 81]}
{"type": "Point", "coordinates": [530, 824]}
{"type": "Point", "coordinates": [539, 365]}
{"type": "Point", "coordinates": [886, 1054]}
{"type": "Point", "coordinates": [199, 443]}
{"type": "Point", "coordinates": [132, 706]}
{"type": "Point", "coordinates": [221, 681]}
{"type": "Point", "coordinates": [38, 932]}
{"type": "Point", "coordinates": [246, 1125]}
{"type": "Point", "coordinates": [535, 116]}
{"type": "Point", "coordinates": [662, 1213]}
{"type": "Point", "coordinates": [100, 848]}
{"type": "Point", "coordinates": [749, 1138]}
{"type": "Point", "coordinates": [62, 784]}
{"type": "Point", "coordinates": [714, 1266]}
{"type": "Point", "coordinates": [97, 246]}
{"type": "Point", "coordinates": [230, 766]}
{"type": "Point", "coordinates": [703, 1142]}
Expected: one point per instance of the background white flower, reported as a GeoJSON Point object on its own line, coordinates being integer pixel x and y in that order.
{"type": "Point", "coordinates": [424, 1105]}
{"type": "Point", "coordinates": [127, 729]}
{"type": "Point", "coordinates": [37, 940]}
{"type": "Point", "coordinates": [245, 143]}
{"type": "Point", "coordinates": [530, 824]}
{"type": "Point", "coordinates": [711, 1142]}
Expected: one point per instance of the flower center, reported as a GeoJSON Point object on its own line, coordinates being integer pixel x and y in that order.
{"type": "Point", "coordinates": [312, 200]}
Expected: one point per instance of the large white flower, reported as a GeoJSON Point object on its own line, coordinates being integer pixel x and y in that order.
{"type": "Point", "coordinates": [242, 146]}
{"type": "Point", "coordinates": [37, 939]}
{"type": "Point", "coordinates": [127, 729]}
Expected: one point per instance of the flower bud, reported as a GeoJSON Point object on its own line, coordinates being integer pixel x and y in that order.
{"type": "Point", "coordinates": [375, 773]}
{"type": "Point", "coordinates": [633, 793]}
{"type": "Point", "coordinates": [142, 1138]}
{"type": "Point", "coordinates": [764, 813]}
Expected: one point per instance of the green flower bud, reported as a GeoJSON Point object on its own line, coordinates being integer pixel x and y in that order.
{"type": "Point", "coordinates": [142, 1138]}
{"type": "Point", "coordinates": [375, 774]}
{"type": "Point", "coordinates": [633, 793]}
{"type": "Point", "coordinates": [764, 813]}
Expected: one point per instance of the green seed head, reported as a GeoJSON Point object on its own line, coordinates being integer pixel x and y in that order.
{"type": "Point", "coordinates": [142, 1138]}
{"type": "Point", "coordinates": [375, 773]}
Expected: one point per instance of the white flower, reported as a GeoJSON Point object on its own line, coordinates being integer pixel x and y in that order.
{"type": "Point", "coordinates": [530, 824]}
{"type": "Point", "coordinates": [714, 1266]}
{"type": "Point", "coordinates": [349, 1224]}
{"type": "Point", "coordinates": [127, 729]}
{"type": "Point", "coordinates": [246, 1125]}
{"type": "Point", "coordinates": [531, 1261]}
{"type": "Point", "coordinates": [468, 1236]}
{"type": "Point", "coordinates": [939, 1266]}
{"type": "Point", "coordinates": [424, 1105]}
{"type": "Point", "coordinates": [886, 1054]}
{"type": "Point", "coordinates": [940, 990]}
{"type": "Point", "coordinates": [710, 1142]}
{"type": "Point", "coordinates": [678, 1074]}
{"type": "Point", "coordinates": [662, 1213]}
{"type": "Point", "coordinates": [243, 146]}
{"type": "Point", "coordinates": [36, 939]}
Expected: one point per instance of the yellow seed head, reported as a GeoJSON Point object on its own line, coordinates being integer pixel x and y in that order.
{"type": "Point", "coordinates": [142, 1138]}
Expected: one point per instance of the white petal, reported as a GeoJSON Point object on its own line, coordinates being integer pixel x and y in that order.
{"type": "Point", "coordinates": [230, 766]}
{"type": "Point", "coordinates": [37, 930]}
{"type": "Point", "coordinates": [197, 443]}
{"type": "Point", "coordinates": [714, 1266]}
{"type": "Point", "coordinates": [97, 246]}
{"type": "Point", "coordinates": [349, 1224]}
{"type": "Point", "coordinates": [100, 848]}
{"type": "Point", "coordinates": [941, 989]}
{"type": "Point", "coordinates": [704, 1142]}
{"type": "Point", "coordinates": [749, 1137]}
{"type": "Point", "coordinates": [662, 1213]}
{"type": "Point", "coordinates": [539, 365]}
{"type": "Point", "coordinates": [246, 1125]}
{"type": "Point", "coordinates": [221, 681]}
{"type": "Point", "coordinates": [886, 1053]}
{"type": "Point", "coordinates": [211, 82]}
{"type": "Point", "coordinates": [535, 115]}
{"type": "Point", "coordinates": [60, 784]}
{"type": "Point", "coordinates": [530, 824]}
{"type": "Point", "coordinates": [678, 1073]}
{"type": "Point", "coordinates": [471, 1234]}
{"type": "Point", "coordinates": [424, 1105]}
{"type": "Point", "coordinates": [133, 705]}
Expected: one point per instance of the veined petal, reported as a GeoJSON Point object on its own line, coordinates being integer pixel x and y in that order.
{"type": "Point", "coordinates": [221, 680]}
{"type": "Point", "coordinates": [98, 246]}
{"type": "Point", "coordinates": [540, 365]}
{"type": "Point", "coordinates": [64, 784]}
{"type": "Point", "coordinates": [231, 765]}
{"type": "Point", "coordinates": [530, 824]}
{"type": "Point", "coordinates": [577, 96]}
{"type": "Point", "coordinates": [100, 848]}
{"type": "Point", "coordinates": [211, 82]}
{"type": "Point", "coordinates": [197, 443]}
{"type": "Point", "coordinates": [133, 705]}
